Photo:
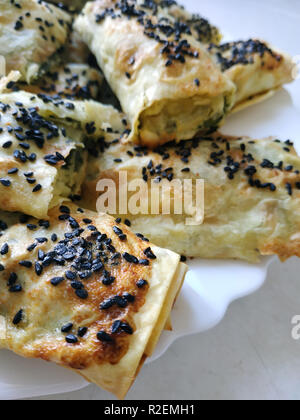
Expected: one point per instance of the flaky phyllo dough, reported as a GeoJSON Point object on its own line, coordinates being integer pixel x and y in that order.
{"type": "Point", "coordinates": [42, 155]}
{"type": "Point", "coordinates": [255, 68]}
{"type": "Point", "coordinates": [169, 72]}
{"type": "Point", "coordinates": [32, 32]}
{"type": "Point", "coordinates": [83, 291]}
{"type": "Point", "coordinates": [252, 194]}
{"type": "Point", "coordinates": [163, 76]}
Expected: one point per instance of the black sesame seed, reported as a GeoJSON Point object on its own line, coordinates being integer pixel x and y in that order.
{"type": "Point", "coordinates": [130, 258]}
{"type": "Point", "coordinates": [18, 317]}
{"type": "Point", "coordinates": [64, 209]}
{"type": "Point", "coordinates": [56, 281]}
{"type": "Point", "coordinates": [82, 331]}
{"type": "Point", "coordinates": [5, 182]}
{"type": "Point", "coordinates": [149, 254]}
{"type": "Point", "coordinates": [116, 326]}
{"type": "Point", "coordinates": [13, 171]}
{"type": "Point", "coordinates": [4, 250]}
{"type": "Point", "coordinates": [130, 298]}
{"type": "Point", "coordinates": [38, 268]}
{"type": "Point", "coordinates": [27, 264]}
{"type": "Point", "coordinates": [16, 288]}
{"type": "Point", "coordinates": [104, 337]}
{"type": "Point", "coordinates": [12, 279]}
{"type": "Point", "coordinates": [7, 144]}
{"type": "Point", "coordinates": [37, 188]}
{"type": "Point", "coordinates": [289, 188]}
{"type": "Point", "coordinates": [82, 294]}
{"type": "Point", "coordinates": [71, 275]}
{"type": "Point", "coordinates": [120, 301]}
{"type": "Point", "coordinates": [67, 327]}
{"type": "Point", "coordinates": [71, 339]}
{"type": "Point", "coordinates": [141, 283]}
{"type": "Point", "coordinates": [126, 328]}
{"type": "Point", "coordinates": [107, 304]}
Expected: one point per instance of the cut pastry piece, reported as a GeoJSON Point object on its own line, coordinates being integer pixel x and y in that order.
{"type": "Point", "coordinates": [255, 68]}
{"type": "Point", "coordinates": [86, 293]}
{"type": "Point", "coordinates": [42, 155]}
{"type": "Point", "coordinates": [38, 158]}
{"type": "Point", "coordinates": [72, 81]}
{"type": "Point", "coordinates": [251, 195]}
{"type": "Point", "coordinates": [31, 33]}
{"type": "Point", "coordinates": [163, 77]}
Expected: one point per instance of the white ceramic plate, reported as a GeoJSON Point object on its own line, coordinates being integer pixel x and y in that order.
{"type": "Point", "coordinates": [211, 285]}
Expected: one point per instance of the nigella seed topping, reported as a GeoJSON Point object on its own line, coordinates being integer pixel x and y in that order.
{"type": "Point", "coordinates": [77, 285]}
{"type": "Point", "coordinates": [12, 279]}
{"type": "Point", "coordinates": [130, 298]}
{"type": "Point", "coordinates": [120, 301]}
{"type": "Point", "coordinates": [17, 288]}
{"type": "Point", "coordinates": [67, 327]}
{"type": "Point", "coordinates": [82, 294]}
{"type": "Point", "coordinates": [107, 304]}
{"type": "Point", "coordinates": [82, 331]}
{"type": "Point", "coordinates": [37, 188]}
{"type": "Point", "coordinates": [5, 249]}
{"type": "Point", "coordinates": [27, 264]}
{"type": "Point", "coordinates": [126, 328]}
{"type": "Point", "coordinates": [5, 182]}
{"type": "Point", "coordinates": [18, 317]}
{"type": "Point", "coordinates": [38, 268]}
{"type": "Point", "coordinates": [71, 339]}
{"type": "Point", "coordinates": [116, 326]}
{"type": "Point", "coordinates": [141, 283]}
{"type": "Point", "coordinates": [130, 258]}
{"type": "Point", "coordinates": [56, 281]}
{"type": "Point", "coordinates": [71, 275]}
{"type": "Point", "coordinates": [149, 254]}
{"type": "Point", "coordinates": [104, 337]}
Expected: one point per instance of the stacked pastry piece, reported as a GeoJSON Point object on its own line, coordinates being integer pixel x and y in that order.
{"type": "Point", "coordinates": [82, 289]}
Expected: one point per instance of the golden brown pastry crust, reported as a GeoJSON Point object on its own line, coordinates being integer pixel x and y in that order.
{"type": "Point", "coordinates": [71, 80]}
{"type": "Point", "coordinates": [112, 360]}
{"type": "Point", "coordinates": [252, 195]}
{"type": "Point", "coordinates": [256, 68]}
{"type": "Point", "coordinates": [31, 35]}
{"type": "Point", "coordinates": [42, 142]}
{"type": "Point", "coordinates": [166, 95]}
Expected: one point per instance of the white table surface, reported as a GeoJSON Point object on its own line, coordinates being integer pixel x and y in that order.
{"type": "Point", "coordinates": [251, 354]}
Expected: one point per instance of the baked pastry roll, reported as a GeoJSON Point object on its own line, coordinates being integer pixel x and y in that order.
{"type": "Point", "coordinates": [86, 293]}
{"type": "Point", "coordinates": [255, 68]}
{"type": "Point", "coordinates": [31, 33]}
{"type": "Point", "coordinates": [165, 80]}
{"type": "Point", "coordinates": [251, 195]}
{"type": "Point", "coordinates": [72, 81]}
{"type": "Point", "coordinates": [42, 154]}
